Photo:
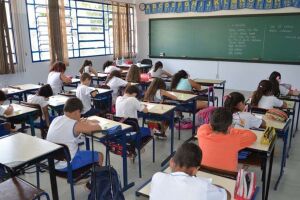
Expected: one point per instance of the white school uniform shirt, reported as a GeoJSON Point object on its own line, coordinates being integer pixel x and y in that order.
{"type": "Point", "coordinates": [115, 83]}
{"type": "Point", "coordinates": [86, 69]}
{"type": "Point", "coordinates": [246, 120]}
{"type": "Point", "coordinates": [38, 100]}
{"type": "Point", "coordinates": [157, 96]}
{"type": "Point", "coordinates": [61, 130]}
{"type": "Point", "coordinates": [156, 74]}
{"type": "Point", "coordinates": [268, 102]}
{"type": "Point", "coordinates": [2, 110]}
{"type": "Point", "coordinates": [128, 107]}
{"type": "Point", "coordinates": [55, 82]}
{"type": "Point", "coordinates": [83, 92]}
{"type": "Point", "coordinates": [283, 90]}
{"type": "Point", "coordinates": [111, 68]}
{"type": "Point", "coordinates": [179, 186]}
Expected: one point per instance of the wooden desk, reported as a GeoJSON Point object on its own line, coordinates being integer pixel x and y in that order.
{"type": "Point", "coordinates": [25, 150]}
{"type": "Point", "coordinates": [74, 83]}
{"type": "Point", "coordinates": [57, 103]}
{"type": "Point", "coordinates": [226, 183]}
{"type": "Point", "coordinates": [19, 112]}
{"type": "Point", "coordinates": [183, 96]}
{"type": "Point", "coordinates": [216, 83]}
{"type": "Point", "coordinates": [27, 88]}
{"type": "Point", "coordinates": [12, 92]}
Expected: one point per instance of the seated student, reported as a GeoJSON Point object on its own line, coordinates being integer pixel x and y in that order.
{"type": "Point", "coordinates": [4, 127]}
{"type": "Point", "coordinates": [114, 81]}
{"type": "Point", "coordinates": [157, 90]}
{"type": "Point", "coordinates": [235, 103]}
{"type": "Point", "coordinates": [128, 105]}
{"type": "Point", "coordinates": [134, 74]}
{"type": "Point", "coordinates": [66, 129]}
{"type": "Point", "coordinates": [57, 77]}
{"type": "Point", "coordinates": [281, 89]}
{"type": "Point", "coordinates": [41, 98]}
{"type": "Point", "coordinates": [183, 183]}
{"type": "Point", "coordinates": [84, 93]}
{"type": "Point", "coordinates": [109, 66]}
{"type": "Point", "coordinates": [220, 143]}
{"type": "Point", "coordinates": [263, 97]}
{"type": "Point", "coordinates": [158, 72]}
{"type": "Point", "coordinates": [87, 67]}
{"type": "Point", "coordinates": [181, 81]}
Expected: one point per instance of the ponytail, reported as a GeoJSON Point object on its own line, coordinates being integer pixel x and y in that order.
{"type": "Point", "coordinates": [264, 88]}
{"type": "Point", "coordinates": [274, 77]}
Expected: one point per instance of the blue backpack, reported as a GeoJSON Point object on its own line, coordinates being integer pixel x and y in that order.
{"type": "Point", "coordinates": [106, 184]}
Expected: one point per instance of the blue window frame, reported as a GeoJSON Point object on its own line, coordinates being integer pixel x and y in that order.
{"type": "Point", "coordinates": [11, 30]}
{"type": "Point", "coordinates": [88, 28]}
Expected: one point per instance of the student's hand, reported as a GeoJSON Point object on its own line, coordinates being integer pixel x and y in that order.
{"type": "Point", "coordinates": [9, 110]}
{"type": "Point", "coordinates": [296, 92]}
{"type": "Point", "coordinates": [145, 110]}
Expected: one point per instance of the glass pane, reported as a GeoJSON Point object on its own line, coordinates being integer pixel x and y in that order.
{"type": "Point", "coordinates": [76, 53]}
{"type": "Point", "coordinates": [92, 52]}
{"type": "Point", "coordinates": [12, 42]}
{"type": "Point", "coordinates": [14, 58]}
{"type": "Point", "coordinates": [35, 57]}
{"type": "Point", "coordinates": [8, 15]}
{"type": "Point", "coordinates": [87, 21]}
{"type": "Point", "coordinates": [89, 5]}
{"type": "Point", "coordinates": [70, 53]}
{"type": "Point", "coordinates": [91, 44]}
{"type": "Point", "coordinates": [44, 47]}
{"type": "Point", "coordinates": [43, 2]}
{"type": "Point", "coordinates": [45, 56]}
{"type": "Point", "coordinates": [84, 37]}
{"type": "Point", "coordinates": [88, 13]}
{"type": "Point", "coordinates": [34, 42]}
{"type": "Point", "coordinates": [31, 16]}
{"type": "Point", "coordinates": [42, 21]}
{"type": "Point", "coordinates": [30, 1]}
{"type": "Point", "coordinates": [90, 29]}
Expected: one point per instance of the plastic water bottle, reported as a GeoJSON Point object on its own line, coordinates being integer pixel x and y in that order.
{"type": "Point", "coordinates": [122, 60]}
{"type": "Point", "coordinates": [117, 61]}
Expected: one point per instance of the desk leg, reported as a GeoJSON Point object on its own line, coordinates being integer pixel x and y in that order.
{"type": "Point", "coordinates": [53, 179]}
{"type": "Point", "coordinates": [292, 129]}
{"type": "Point", "coordinates": [297, 118]}
{"type": "Point", "coordinates": [269, 174]}
{"type": "Point", "coordinates": [31, 125]}
{"type": "Point", "coordinates": [172, 132]}
{"type": "Point", "coordinates": [223, 91]}
{"type": "Point", "coordinates": [194, 118]}
{"type": "Point", "coordinates": [124, 156]}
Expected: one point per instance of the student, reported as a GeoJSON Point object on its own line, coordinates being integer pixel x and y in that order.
{"type": "Point", "coordinates": [235, 103]}
{"type": "Point", "coordinates": [9, 110]}
{"type": "Point", "coordinates": [128, 105]}
{"type": "Point", "coordinates": [181, 81]}
{"type": "Point", "coordinates": [263, 97]}
{"type": "Point", "coordinates": [57, 77]}
{"type": "Point", "coordinates": [220, 143]}
{"type": "Point", "coordinates": [134, 74]}
{"type": "Point", "coordinates": [109, 66]}
{"type": "Point", "coordinates": [87, 67]}
{"type": "Point", "coordinates": [84, 93]}
{"type": "Point", "coordinates": [41, 98]}
{"type": "Point", "coordinates": [114, 81]}
{"type": "Point", "coordinates": [158, 72]}
{"type": "Point", "coordinates": [182, 182]}
{"type": "Point", "coordinates": [66, 129]}
{"type": "Point", "coordinates": [281, 89]}
{"type": "Point", "coordinates": [157, 90]}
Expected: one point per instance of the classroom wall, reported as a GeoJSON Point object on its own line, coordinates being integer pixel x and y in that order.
{"type": "Point", "coordinates": [239, 75]}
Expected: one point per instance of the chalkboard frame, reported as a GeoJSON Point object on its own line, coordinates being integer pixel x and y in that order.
{"type": "Point", "coordinates": [220, 59]}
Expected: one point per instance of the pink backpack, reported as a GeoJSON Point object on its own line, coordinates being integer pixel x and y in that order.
{"type": "Point", "coordinates": [203, 116]}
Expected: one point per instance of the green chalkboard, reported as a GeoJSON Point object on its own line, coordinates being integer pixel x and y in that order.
{"type": "Point", "coordinates": [252, 38]}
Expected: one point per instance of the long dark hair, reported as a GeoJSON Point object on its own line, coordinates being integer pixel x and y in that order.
{"type": "Point", "coordinates": [155, 85]}
{"type": "Point", "coordinates": [274, 77]}
{"type": "Point", "coordinates": [85, 63]}
{"type": "Point", "coordinates": [45, 91]}
{"type": "Point", "coordinates": [232, 100]}
{"type": "Point", "coordinates": [264, 88]}
{"type": "Point", "coordinates": [107, 63]}
{"type": "Point", "coordinates": [134, 74]}
{"type": "Point", "coordinates": [157, 65]}
{"type": "Point", "coordinates": [176, 78]}
{"type": "Point", "coordinates": [114, 73]}
{"type": "Point", "coordinates": [58, 67]}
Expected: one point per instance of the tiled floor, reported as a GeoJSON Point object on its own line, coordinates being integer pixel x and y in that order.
{"type": "Point", "coordinates": [289, 187]}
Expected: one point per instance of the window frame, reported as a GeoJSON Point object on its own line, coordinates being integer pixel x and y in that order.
{"type": "Point", "coordinates": [12, 31]}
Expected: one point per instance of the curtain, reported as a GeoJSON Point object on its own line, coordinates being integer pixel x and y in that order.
{"type": "Point", "coordinates": [6, 60]}
{"type": "Point", "coordinates": [122, 38]}
{"type": "Point", "coordinates": [57, 32]}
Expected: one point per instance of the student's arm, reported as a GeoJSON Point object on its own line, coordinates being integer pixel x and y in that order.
{"type": "Point", "coordinates": [166, 73]}
{"type": "Point", "coordinates": [215, 192]}
{"type": "Point", "coordinates": [92, 69]}
{"type": "Point", "coordinates": [46, 115]}
{"type": "Point", "coordinates": [65, 79]}
{"type": "Point", "coordinates": [294, 93]}
{"type": "Point", "coordinates": [167, 94]}
{"type": "Point", "coordinates": [94, 93]}
{"type": "Point", "coordinates": [9, 110]}
{"type": "Point", "coordinates": [263, 124]}
{"type": "Point", "coordinates": [195, 85]}
{"type": "Point", "coordinates": [86, 126]}
{"type": "Point", "coordinates": [246, 137]}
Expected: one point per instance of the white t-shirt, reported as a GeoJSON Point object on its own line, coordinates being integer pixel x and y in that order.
{"type": "Point", "coordinates": [86, 69]}
{"type": "Point", "coordinates": [128, 107]}
{"type": "Point", "coordinates": [179, 186]}
{"type": "Point", "coordinates": [55, 82]}
{"type": "Point", "coordinates": [83, 92]}
{"type": "Point", "coordinates": [157, 96]}
{"type": "Point", "coordinates": [115, 83]}
{"type": "Point", "coordinates": [38, 100]}
{"type": "Point", "coordinates": [61, 130]}
{"type": "Point", "coordinates": [283, 90]}
{"type": "Point", "coordinates": [156, 74]}
{"type": "Point", "coordinates": [246, 120]}
{"type": "Point", "coordinates": [2, 110]}
{"type": "Point", "coordinates": [111, 68]}
{"type": "Point", "coordinates": [268, 102]}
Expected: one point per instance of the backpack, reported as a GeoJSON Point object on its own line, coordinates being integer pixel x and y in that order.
{"type": "Point", "coordinates": [245, 186]}
{"type": "Point", "coordinates": [184, 124]}
{"type": "Point", "coordinates": [106, 184]}
{"type": "Point", "coordinates": [276, 114]}
{"type": "Point", "coordinates": [203, 116]}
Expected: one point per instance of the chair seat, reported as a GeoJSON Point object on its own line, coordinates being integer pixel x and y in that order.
{"type": "Point", "coordinates": [18, 189]}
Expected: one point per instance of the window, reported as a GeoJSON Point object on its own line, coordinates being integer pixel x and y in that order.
{"type": "Point", "coordinates": [88, 24]}
{"type": "Point", "coordinates": [10, 29]}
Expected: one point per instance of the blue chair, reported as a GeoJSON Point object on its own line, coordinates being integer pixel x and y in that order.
{"type": "Point", "coordinates": [4, 128]}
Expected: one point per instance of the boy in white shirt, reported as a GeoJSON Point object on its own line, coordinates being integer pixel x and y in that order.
{"type": "Point", "coordinates": [5, 128]}
{"type": "Point", "coordinates": [115, 82]}
{"type": "Point", "coordinates": [128, 105]}
{"type": "Point", "coordinates": [84, 93]}
{"type": "Point", "coordinates": [182, 183]}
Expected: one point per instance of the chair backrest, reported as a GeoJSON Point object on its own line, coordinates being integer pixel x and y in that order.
{"type": "Point", "coordinates": [146, 61]}
{"type": "Point", "coordinates": [129, 121]}
{"type": "Point", "coordinates": [66, 156]}
{"type": "Point", "coordinates": [258, 110]}
{"type": "Point", "coordinates": [219, 172]}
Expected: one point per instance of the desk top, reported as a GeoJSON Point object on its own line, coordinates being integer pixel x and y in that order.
{"type": "Point", "coordinates": [290, 104]}
{"type": "Point", "coordinates": [9, 91]}
{"type": "Point", "coordinates": [257, 145]}
{"type": "Point", "coordinates": [157, 108]}
{"type": "Point", "coordinates": [75, 80]}
{"type": "Point", "coordinates": [226, 183]}
{"type": "Point", "coordinates": [100, 75]}
{"type": "Point", "coordinates": [57, 100]}
{"type": "Point", "coordinates": [21, 148]}
{"type": "Point", "coordinates": [18, 110]}
{"type": "Point", "coordinates": [272, 123]}
{"type": "Point", "coordinates": [28, 86]}
{"type": "Point", "coordinates": [100, 90]}
{"type": "Point", "coordinates": [209, 81]}
{"type": "Point", "coordinates": [183, 96]}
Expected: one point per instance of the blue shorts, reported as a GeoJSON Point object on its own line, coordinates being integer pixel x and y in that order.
{"type": "Point", "coordinates": [82, 158]}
